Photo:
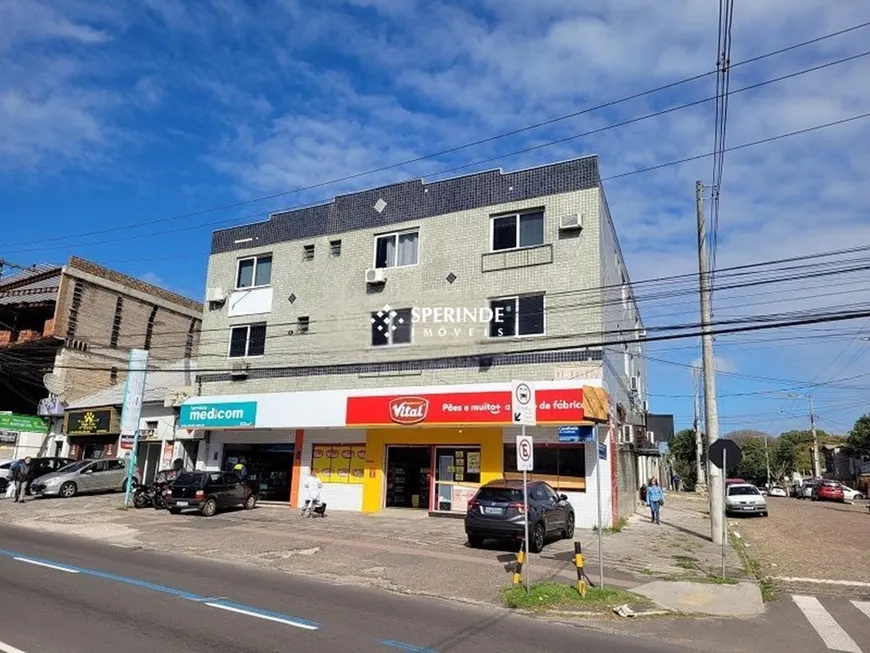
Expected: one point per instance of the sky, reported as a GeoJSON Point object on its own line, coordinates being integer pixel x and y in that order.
{"type": "Point", "coordinates": [130, 130]}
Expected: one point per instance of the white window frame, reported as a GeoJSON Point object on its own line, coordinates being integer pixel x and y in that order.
{"type": "Point", "coordinates": [247, 340]}
{"type": "Point", "coordinates": [516, 299]}
{"type": "Point", "coordinates": [390, 344]}
{"type": "Point", "coordinates": [517, 216]}
{"type": "Point", "coordinates": [255, 259]}
{"type": "Point", "coordinates": [395, 235]}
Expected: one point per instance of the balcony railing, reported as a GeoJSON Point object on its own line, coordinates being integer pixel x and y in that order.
{"type": "Point", "coordinates": [509, 259]}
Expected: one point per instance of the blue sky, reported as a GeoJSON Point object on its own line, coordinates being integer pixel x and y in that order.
{"type": "Point", "coordinates": [115, 117]}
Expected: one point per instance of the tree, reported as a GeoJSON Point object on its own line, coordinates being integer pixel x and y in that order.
{"type": "Point", "coordinates": [755, 447]}
{"type": "Point", "coordinates": [858, 441]}
{"type": "Point", "coordinates": [682, 454]}
{"type": "Point", "coordinates": [794, 452]}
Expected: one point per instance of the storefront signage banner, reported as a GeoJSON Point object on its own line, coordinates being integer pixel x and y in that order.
{"type": "Point", "coordinates": [339, 463]}
{"type": "Point", "coordinates": [89, 422]}
{"type": "Point", "coordinates": [228, 415]}
{"type": "Point", "coordinates": [22, 423]}
{"type": "Point", "coordinates": [553, 407]}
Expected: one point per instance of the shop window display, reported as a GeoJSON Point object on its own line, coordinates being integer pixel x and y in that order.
{"type": "Point", "coordinates": [268, 467]}
{"type": "Point", "coordinates": [562, 466]}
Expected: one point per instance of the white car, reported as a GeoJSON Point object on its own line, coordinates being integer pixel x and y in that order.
{"type": "Point", "coordinates": [777, 491]}
{"type": "Point", "coordinates": [744, 499]}
{"type": "Point", "coordinates": [851, 495]}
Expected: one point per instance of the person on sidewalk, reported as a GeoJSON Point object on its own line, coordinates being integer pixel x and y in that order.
{"type": "Point", "coordinates": [313, 486]}
{"type": "Point", "coordinates": [656, 498]}
{"type": "Point", "coordinates": [21, 475]}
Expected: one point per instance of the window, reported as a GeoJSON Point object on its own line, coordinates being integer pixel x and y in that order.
{"type": "Point", "coordinates": [517, 230]}
{"type": "Point", "coordinates": [517, 316]}
{"type": "Point", "coordinates": [113, 375]}
{"type": "Point", "coordinates": [254, 271]}
{"type": "Point", "coordinates": [393, 328]}
{"type": "Point", "coordinates": [247, 340]}
{"type": "Point", "coordinates": [335, 247]}
{"type": "Point", "coordinates": [151, 424]}
{"type": "Point", "coordinates": [308, 253]}
{"type": "Point", "coordinates": [116, 325]}
{"type": "Point", "coordinates": [115, 465]}
{"type": "Point", "coordinates": [561, 466]}
{"type": "Point", "coordinates": [396, 250]}
{"type": "Point", "coordinates": [302, 324]}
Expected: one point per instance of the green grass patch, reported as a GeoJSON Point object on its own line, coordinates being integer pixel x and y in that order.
{"type": "Point", "coordinates": [621, 523]}
{"type": "Point", "coordinates": [547, 596]}
{"type": "Point", "coordinates": [753, 569]}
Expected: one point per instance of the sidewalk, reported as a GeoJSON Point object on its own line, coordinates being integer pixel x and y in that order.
{"type": "Point", "coordinates": [403, 551]}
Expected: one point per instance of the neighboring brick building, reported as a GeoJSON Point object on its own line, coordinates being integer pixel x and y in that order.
{"type": "Point", "coordinates": [80, 321]}
{"type": "Point", "coordinates": [295, 331]}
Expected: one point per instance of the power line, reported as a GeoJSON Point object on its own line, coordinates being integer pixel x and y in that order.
{"type": "Point", "coordinates": [452, 150]}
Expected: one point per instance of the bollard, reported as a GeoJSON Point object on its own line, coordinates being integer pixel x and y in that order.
{"type": "Point", "coordinates": [578, 562]}
{"type": "Point", "coordinates": [518, 569]}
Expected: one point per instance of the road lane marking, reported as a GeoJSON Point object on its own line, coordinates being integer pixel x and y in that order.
{"type": "Point", "coordinates": [48, 565]}
{"type": "Point", "coordinates": [402, 646]}
{"type": "Point", "coordinates": [863, 606]}
{"type": "Point", "coordinates": [211, 601]}
{"type": "Point", "coordinates": [263, 614]}
{"type": "Point", "coordinates": [822, 581]}
{"type": "Point", "coordinates": [8, 648]}
{"type": "Point", "coordinates": [832, 634]}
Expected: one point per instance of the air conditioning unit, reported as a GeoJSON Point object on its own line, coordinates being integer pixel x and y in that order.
{"type": "Point", "coordinates": [634, 383]}
{"type": "Point", "coordinates": [645, 406]}
{"type": "Point", "coordinates": [376, 275]}
{"type": "Point", "coordinates": [239, 369]}
{"type": "Point", "coordinates": [625, 434]}
{"type": "Point", "coordinates": [571, 222]}
{"type": "Point", "coordinates": [651, 437]}
{"type": "Point", "coordinates": [641, 334]}
{"type": "Point", "coordinates": [215, 296]}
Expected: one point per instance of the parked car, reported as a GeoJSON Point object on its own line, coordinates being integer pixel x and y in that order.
{"type": "Point", "coordinates": [806, 489]}
{"type": "Point", "coordinates": [496, 512]}
{"type": "Point", "coordinates": [850, 494]}
{"type": "Point", "coordinates": [4, 473]}
{"type": "Point", "coordinates": [777, 491]}
{"type": "Point", "coordinates": [102, 475]}
{"type": "Point", "coordinates": [744, 499]}
{"type": "Point", "coordinates": [46, 465]}
{"type": "Point", "coordinates": [827, 491]}
{"type": "Point", "coordinates": [209, 492]}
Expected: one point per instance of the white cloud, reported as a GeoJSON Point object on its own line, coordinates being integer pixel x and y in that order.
{"type": "Point", "coordinates": [153, 279]}
{"type": "Point", "coordinates": [723, 365]}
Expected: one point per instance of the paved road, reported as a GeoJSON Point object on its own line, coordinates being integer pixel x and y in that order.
{"type": "Point", "coordinates": [78, 596]}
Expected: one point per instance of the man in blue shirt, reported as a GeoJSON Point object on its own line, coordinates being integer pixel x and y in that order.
{"type": "Point", "coordinates": [655, 497]}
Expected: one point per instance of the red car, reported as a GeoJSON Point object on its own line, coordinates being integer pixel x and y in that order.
{"type": "Point", "coordinates": [828, 491]}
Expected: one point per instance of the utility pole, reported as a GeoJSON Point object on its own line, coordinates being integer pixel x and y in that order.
{"type": "Point", "coordinates": [817, 467]}
{"type": "Point", "coordinates": [711, 416]}
{"type": "Point", "coordinates": [767, 459]}
{"type": "Point", "coordinates": [700, 473]}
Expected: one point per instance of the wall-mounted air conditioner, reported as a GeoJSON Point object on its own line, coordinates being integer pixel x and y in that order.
{"type": "Point", "coordinates": [651, 437]}
{"type": "Point", "coordinates": [239, 369]}
{"type": "Point", "coordinates": [571, 222]}
{"type": "Point", "coordinates": [376, 275]}
{"type": "Point", "coordinates": [215, 295]}
{"type": "Point", "coordinates": [625, 435]}
{"type": "Point", "coordinates": [634, 383]}
{"type": "Point", "coordinates": [645, 406]}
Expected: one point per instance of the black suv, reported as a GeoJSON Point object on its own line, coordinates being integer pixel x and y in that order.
{"type": "Point", "coordinates": [496, 512]}
{"type": "Point", "coordinates": [208, 492]}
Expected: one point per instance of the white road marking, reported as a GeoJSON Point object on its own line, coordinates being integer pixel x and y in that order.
{"type": "Point", "coordinates": [832, 634]}
{"type": "Point", "coordinates": [6, 648]}
{"type": "Point", "coordinates": [45, 564]}
{"type": "Point", "coordinates": [288, 622]}
{"type": "Point", "coordinates": [863, 606]}
{"type": "Point", "coordinates": [823, 581]}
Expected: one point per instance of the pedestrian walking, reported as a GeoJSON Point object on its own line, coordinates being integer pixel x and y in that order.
{"type": "Point", "coordinates": [21, 476]}
{"type": "Point", "coordinates": [313, 486]}
{"type": "Point", "coordinates": [656, 498]}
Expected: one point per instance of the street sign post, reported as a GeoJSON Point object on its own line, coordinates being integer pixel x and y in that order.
{"type": "Point", "coordinates": [602, 456]}
{"type": "Point", "coordinates": [523, 403]}
{"type": "Point", "coordinates": [526, 464]}
{"type": "Point", "coordinates": [726, 455]}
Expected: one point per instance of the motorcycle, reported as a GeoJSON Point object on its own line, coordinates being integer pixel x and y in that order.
{"type": "Point", "coordinates": [151, 495]}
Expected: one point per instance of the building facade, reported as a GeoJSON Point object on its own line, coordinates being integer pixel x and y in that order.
{"type": "Point", "coordinates": [441, 293]}
{"type": "Point", "coordinates": [92, 424]}
{"type": "Point", "coordinates": [79, 321]}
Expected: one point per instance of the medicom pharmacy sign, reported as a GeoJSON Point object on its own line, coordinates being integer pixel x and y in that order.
{"type": "Point", "coordinates": [213, 416]}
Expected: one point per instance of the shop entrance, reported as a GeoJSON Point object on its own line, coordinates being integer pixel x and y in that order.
{"type": "Point", "coordinates": [268, 467]}
{"type": "Point", "coordinates": [408, 477]}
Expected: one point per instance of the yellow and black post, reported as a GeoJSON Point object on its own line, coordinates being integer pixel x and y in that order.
{"type": "Point", "coordinates": [578, 562]}
{"type": "Point", "coordinates": [518, 568]}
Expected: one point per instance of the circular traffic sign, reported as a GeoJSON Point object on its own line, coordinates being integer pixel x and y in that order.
{"type": "Point", "coordinates": [523, 393]}
{"type": "Point", "coordinates": [525, 451]}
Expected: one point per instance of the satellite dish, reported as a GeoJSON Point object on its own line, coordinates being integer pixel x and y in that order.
{"type": "Point", "coordinates": [54, 384]}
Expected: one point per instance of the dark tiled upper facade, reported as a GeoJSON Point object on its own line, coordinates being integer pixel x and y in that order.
{"type": "Point", "coordinates": [412, 200]}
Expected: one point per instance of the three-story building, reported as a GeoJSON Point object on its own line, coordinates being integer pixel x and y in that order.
{"type": "Point", "coordinates": [375, 339]}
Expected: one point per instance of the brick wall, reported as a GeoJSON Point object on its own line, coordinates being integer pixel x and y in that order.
{"type": "Point", "coordinates": [93, 325]}
{"type": "Point", "coordinates": [332, 292]}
